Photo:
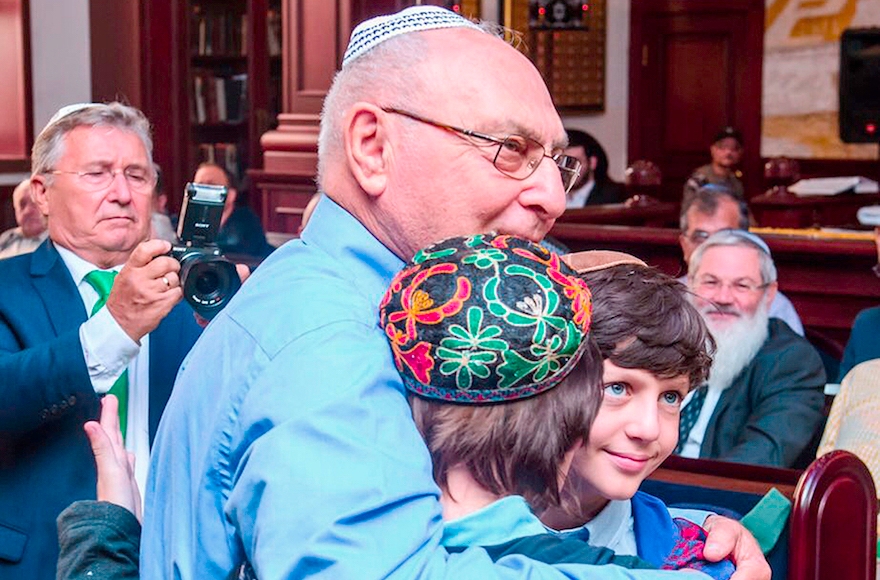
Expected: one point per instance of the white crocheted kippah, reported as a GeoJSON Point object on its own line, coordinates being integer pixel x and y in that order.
{"type": "Point", "coordinates": [370, 33]}
{"type": "Point", "coordinates": [65, 111]}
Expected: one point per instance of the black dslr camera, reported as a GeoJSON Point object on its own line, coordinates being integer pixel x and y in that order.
{"type": "Point", "coordinates": [207, 278]}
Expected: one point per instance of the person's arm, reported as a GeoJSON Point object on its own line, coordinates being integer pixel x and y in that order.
{"type": "Point", "coordinates": [101, 539]}
{"type": "Point", "coordinates": [338, 483]}
{"type": "Point", "coordinates": [785, 393]}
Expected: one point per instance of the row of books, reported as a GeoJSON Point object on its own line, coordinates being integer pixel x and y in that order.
{"type": "Point", "coordinates": [219, 34]}
{"type": "Point", "coordinates": [224, 154]}
{"type": "Point", "coordinates": [226, 33]}
{"type": "Point", "coordinates": [219, 99]}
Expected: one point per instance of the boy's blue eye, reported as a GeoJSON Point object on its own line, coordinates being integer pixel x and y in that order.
{"type": "Point", "coordinates": [615, 389]}
{"type": "Point", "coordinates": [672, 398]}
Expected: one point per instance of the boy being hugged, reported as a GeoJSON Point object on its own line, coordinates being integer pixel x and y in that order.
{"type": "Point", "coordinates": [655, 349]}
{"type": "Point", "coordinates": [491, 338]}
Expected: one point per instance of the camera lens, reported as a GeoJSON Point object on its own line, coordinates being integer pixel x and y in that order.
{"type": "Point", "coordinates": [207, 282]}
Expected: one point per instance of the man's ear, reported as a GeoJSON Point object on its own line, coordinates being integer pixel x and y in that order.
{"type": "Point", "coordinates": [770, 294]}
{"type": "Point", "coordinates": [367, 147]}
{"type": "Point", "coordinates": [594, 161]}
{"type": "Point", "coordinates": [39, 194]}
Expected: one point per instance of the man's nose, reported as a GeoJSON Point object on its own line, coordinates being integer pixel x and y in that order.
{"type": "Point", "coordinates": [544, 190]}
{"type": "Point", "coordinates": [119, 190]}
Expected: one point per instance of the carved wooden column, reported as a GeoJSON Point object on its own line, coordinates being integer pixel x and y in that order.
{"type": "Point", "coordinates": [315, 37]}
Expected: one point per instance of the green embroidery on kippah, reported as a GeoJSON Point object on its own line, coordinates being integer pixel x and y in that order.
{"type": "Point", "coordinates": [426, 254]}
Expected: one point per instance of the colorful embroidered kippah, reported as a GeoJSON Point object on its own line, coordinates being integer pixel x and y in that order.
{"type": "Point", "coordinates": [485, 318]}
{"type": "Point", "coordinates": [370, 33]}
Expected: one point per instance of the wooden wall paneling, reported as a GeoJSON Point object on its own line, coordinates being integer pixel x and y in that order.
{"type": "Point", "coordinates": [165, 89]}
{"type": "Point", "coordinates": [114, 35]}
{"type": "Point", "coordinates": [16, 123]}
{"type": "Point", "coordinates": [691, 72]}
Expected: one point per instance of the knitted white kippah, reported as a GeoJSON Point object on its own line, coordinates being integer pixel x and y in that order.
{"type": "Point", "coordinates": [370, 33]}
{"type": "Point", "coordinates": [65, 111]}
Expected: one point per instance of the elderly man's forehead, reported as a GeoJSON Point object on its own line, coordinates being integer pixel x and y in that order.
{"type": "Point", "coordinates": [742, 258]}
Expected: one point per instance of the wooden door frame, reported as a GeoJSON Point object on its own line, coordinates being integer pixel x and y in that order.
{"type": "Point", "coordinates": [748, 110]}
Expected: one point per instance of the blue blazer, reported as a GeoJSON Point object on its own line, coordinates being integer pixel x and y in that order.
{"type": "Point", "coordinates": [45, 459]}
{"type": "Point", "coordinates": [863, 343]}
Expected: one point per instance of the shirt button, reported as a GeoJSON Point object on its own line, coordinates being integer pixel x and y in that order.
{"type": "Point", "coordinates": [54, 409]}
{"type": "Point", "coordinates": [71, 400]}
{"type": "Point", "coordinates": [44, 414]}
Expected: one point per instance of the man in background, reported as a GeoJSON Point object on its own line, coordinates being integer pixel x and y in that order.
{"type": "Point", "coordinates": [594, 186]}
{"type": "Point", "coordinates": [95, 309]}
{"type": "Point", "coordinates": [864, 340]}
{"type": "Point", "coordinates": [726, 151]}
{"type": "Point", "coordinates": [764, 397]}
{"type": "Point", "coordinates": [31, 229]}
{"type": "Point", "coordinates": [710, 209]}
{"type": "Point", "coordinates": [241, 233]}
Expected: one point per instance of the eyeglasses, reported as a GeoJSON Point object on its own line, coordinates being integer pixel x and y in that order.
{"type": "Point", "coordinates": [741, 287]}
{"type": "Point", "coordinates": [517, 156]}
{"type": "Point", "coordinates": [139, 180]}
{"type": "Point", "coordinates": [697, 237]}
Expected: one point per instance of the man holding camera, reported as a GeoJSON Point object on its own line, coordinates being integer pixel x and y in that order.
{"type": "Point", "coordinates": [95, 309]}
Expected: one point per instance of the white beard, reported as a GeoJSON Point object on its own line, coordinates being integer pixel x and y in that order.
{"type": "Point", "coordinates": [737, 344]}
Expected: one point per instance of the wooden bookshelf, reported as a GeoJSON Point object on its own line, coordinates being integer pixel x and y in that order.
{"type": "Point", "coordinates": [209, 78]}
{"type": "Point", "coordinates": [234, 80]}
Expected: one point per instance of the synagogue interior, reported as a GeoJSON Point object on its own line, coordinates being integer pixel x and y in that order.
{"type": "Point", "coordinates": [776, 103]}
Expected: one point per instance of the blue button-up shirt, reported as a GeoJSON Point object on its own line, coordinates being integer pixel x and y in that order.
{"type": "Point", "coordinates": [288, 439]}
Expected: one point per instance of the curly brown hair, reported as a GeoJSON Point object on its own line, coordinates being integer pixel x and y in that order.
{"type": "Point", "coordinates": [642, 319]}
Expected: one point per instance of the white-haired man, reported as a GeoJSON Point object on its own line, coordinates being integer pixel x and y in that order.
{"type": "Point", "coordinates": [95, 309]}
{"type": "Point", "coordinates": [763, 401]}
{"type": "Point", "coordinates": [290, 442]}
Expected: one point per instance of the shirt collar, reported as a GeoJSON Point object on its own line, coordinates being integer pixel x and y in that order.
{"type": "Point", "coordinates": [501, 521]}
{"type": "Point", "coordinates": [78, 267]}
{"type": "Point", "coordinates": [357, 251]}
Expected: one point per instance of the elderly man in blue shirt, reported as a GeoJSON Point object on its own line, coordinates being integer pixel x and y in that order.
{"type": "Point", "coordinates": [288, 441]}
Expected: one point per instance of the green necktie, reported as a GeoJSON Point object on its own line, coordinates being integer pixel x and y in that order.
{"type": "Point", "coordinates": [102, 282]}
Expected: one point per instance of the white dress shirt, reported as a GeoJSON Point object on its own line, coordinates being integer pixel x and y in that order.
{"type": "Point", "coordinates": [108, 351]}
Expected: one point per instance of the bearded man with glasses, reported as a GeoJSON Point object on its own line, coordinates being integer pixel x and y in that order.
{"type": "Point", "coordinates": [71, 329]}
{"type": "Point", "coordinates": [300, 454]}
{"type": "Point", "coordinates": [763, 400]}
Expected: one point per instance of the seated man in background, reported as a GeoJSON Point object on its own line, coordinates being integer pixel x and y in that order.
{"type": "Point", "coordinates": [726, 151]}
{"type": "Point", "coordinates": [712, 208]}
{"type": "Point", "coordinates": [864, 340]}
{"type": "Point", "coordinates": [593, 186]}
{"type": "Point", "coordinates": [160, 222]}
{"type": "Point", "coordinates": [763, 400]}
{"type": "Point", "coordinates": [241, 233]}
{"type": "Point", "coordinates": [31, 229]}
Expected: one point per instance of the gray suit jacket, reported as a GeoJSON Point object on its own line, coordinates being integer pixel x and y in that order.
{"type": "Point", "coordinates": [772, 412]}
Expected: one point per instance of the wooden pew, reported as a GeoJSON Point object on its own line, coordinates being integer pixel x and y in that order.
{"type": "Point", "coordinates": [654, 214]}
{"type": "Point", "coordinates": [832, 533]}
{"type": "Point", "coordinates": [828, 281]}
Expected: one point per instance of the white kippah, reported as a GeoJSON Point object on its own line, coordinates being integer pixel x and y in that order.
{"type": "Point", "coordinates": [65, 111]}
{"type": "Point", "coordinates": [370, 33]}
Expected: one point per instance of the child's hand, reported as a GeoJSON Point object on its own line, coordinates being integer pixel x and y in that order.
{"type": "Point", "coordinates": [116, 482]}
